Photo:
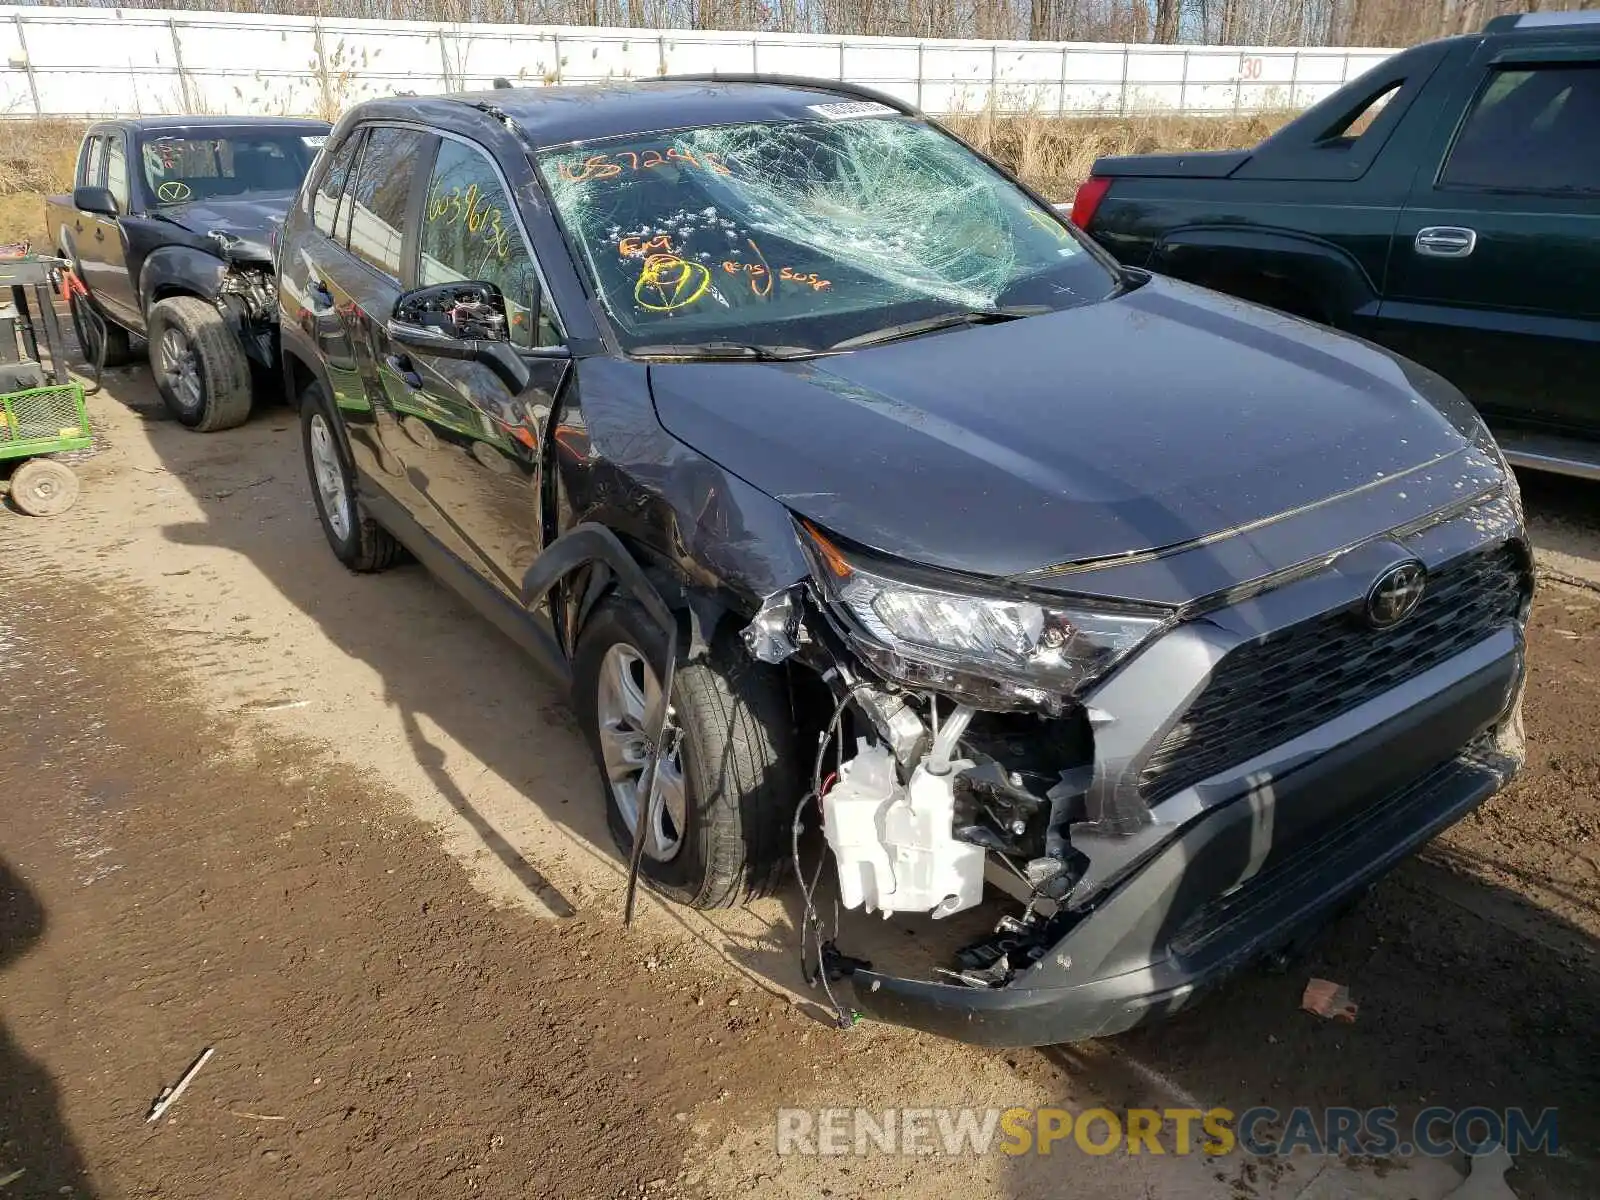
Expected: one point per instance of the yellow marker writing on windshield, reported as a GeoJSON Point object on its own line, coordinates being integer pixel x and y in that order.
{"type": "Point", "coordinates": [678, 283]}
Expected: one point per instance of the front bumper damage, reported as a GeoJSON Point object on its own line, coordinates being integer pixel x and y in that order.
{"type": "Point", "coordinates": [247, 296]}
{"type": "Point", "coordinates": [1204, 906]}
{"type": "Point", "coordinates": [1158, 897]}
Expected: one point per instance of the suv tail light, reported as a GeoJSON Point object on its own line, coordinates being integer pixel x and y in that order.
{"type": "Point", "coordinates": [1090, 193]}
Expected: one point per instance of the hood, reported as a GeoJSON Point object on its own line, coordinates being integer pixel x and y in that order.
{"type": "Point", "coordinates": [251, 218]}
{"type": "Point", "coordinates": [1162, 416]}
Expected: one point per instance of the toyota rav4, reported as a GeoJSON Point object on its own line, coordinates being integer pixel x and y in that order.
{"type": "Point", "coordinates": [845, 483]}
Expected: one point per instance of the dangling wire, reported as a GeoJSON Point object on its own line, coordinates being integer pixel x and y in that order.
{"type": "Point", "coordinates": [812, 925]}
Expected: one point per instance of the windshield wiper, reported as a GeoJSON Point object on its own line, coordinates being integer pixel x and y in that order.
{"type": "Point", "coordinates": [975, 316]}
{"type": "Point", "coordinates": [731, 351]}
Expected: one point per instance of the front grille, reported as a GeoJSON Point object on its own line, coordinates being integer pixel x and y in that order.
{"type": "Point", "coordinates": [1267, 692]}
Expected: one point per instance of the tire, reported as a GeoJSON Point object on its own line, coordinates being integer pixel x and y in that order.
{"type": "Point", "coordinates": [200, 368]}
{"type": "Point", "coordinates": [42, 487]}
{"type": "Point", "coordinates": [119, 342]}
{"type": "Point", "coordinates": [357, 541]}
{"type": "Point", "coordinates": [735, 764]}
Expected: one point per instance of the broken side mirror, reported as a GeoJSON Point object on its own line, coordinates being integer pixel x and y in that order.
{"type": "Point", "coordinates": [464, 321]}
{"type": "Point", "coordinates": [96, 200]}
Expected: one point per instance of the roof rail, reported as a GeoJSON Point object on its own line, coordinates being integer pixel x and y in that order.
{"type": "Point", "coordinates": [1542, 20]}
{"type": "Point", "coordinates": [836, 86]}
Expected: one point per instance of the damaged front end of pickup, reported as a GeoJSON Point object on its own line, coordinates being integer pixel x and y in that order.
{"type": "Point", "coordinates": [955, 754]}
{"type": "Point", "coordinates": [246, 294]}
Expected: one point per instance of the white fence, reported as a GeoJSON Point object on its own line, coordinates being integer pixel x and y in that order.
{"type": "Point", "coordinates": [98, 61]}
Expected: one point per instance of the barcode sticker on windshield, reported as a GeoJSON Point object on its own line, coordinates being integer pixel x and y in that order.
{"type": "Point", "coordinates": [845, 109]}
{"type": "Point", "coordinates": [316, 141]}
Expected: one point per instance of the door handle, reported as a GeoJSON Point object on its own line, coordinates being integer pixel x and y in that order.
{"type": "Point", "coordinates": [99, 235]}
{"type": "Point", "coordinates": [1446, 241]}
{"type": "Point", "coordinates": [77, 226]}
{"type": "Point", "coordinates": [401, 365]}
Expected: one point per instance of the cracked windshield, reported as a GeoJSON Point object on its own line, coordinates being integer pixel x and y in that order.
{"type": "Point", "coordinates": [803, 234]}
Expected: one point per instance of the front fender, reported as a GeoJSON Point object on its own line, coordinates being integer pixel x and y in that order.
{"type": "Point", "coordinates": [179, 269]}
{"type": "Point", "coordinates": [588, 545]}
{"type": "Point", "coordinates": [1221, 256]}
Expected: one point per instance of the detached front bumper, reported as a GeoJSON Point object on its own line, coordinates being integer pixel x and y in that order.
{"type": "Point", "coordinates": [1252, 874]}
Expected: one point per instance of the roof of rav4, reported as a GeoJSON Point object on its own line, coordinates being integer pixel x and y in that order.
{"type": "Point", "coordinates": [555, 116]}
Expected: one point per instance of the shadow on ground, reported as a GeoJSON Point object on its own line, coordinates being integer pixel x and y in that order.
{"type": "Point", "coordinates": [38, 1156]}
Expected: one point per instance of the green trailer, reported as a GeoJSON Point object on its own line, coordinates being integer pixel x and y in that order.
{"type": "Point", "coordinates": [35, 423]}
{"type": "Point", "coordinates": [42, 412]}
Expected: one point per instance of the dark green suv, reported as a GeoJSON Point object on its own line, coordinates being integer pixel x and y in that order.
{"type": "Point", "coordinates": [1446, 204]}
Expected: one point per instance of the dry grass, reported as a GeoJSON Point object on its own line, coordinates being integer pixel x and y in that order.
{"type": "Point", "coordinates": [36, 159]}
{"type": "Point", "coordinates": [1053, 154]}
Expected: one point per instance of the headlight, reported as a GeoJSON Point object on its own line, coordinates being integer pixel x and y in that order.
{"type": "Point", "coordinates": [992, 650]}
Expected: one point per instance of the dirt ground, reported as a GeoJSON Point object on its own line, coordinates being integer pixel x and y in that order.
{"type": "Point", "coordinates": [335, 828]}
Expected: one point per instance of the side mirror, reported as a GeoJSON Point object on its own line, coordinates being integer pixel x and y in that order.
{"type": "Point", "coordinates": [465, 321]}
{"type": "Point", "coordinates": [97, 200]}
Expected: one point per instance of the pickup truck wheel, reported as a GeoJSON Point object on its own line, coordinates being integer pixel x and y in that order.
{"type": "Point", "coordinates": [199, 365]}
{"type": "Point", "coordinates": [727, 795]}
{"type": "Point", "coordinates": [119, 342]}
{"type": "Point", "coordinates": [357, 541]}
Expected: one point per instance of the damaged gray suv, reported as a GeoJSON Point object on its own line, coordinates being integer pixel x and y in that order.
{"type": "Point", "coordinates": [843, 481]}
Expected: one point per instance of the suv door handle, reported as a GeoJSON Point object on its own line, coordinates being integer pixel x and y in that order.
{"type": "Point", "coordinates": [77, 226]}
{"type": "Point", "coordinates": [1446, 241]}
{"type": "Point", "coordinates": [99, 233]}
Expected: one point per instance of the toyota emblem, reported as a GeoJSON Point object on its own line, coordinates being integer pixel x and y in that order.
{"type": "Point", "coordinates": [1395, 594]}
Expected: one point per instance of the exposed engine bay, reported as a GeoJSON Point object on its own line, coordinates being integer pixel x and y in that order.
{"type": "Point", "coordinates": [247, 294]}
{"type": "Point", "coordinates": [927, 798]}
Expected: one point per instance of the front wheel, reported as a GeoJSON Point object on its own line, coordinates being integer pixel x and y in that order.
{"type": "Point", "coordinates": [728, 794]}
{"type": "Point", "coordinates": [200, 368]}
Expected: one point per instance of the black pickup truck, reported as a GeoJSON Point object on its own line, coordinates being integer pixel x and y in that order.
{"type": "Point", "coordinates": [167, 231]}
{"type": "Point", "coordinates": [1446, 205]}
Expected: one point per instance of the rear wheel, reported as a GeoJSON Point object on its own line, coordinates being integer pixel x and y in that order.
{"type": "Point", "coordinates": [42, 487]}
{"type": "Point", "coordinates": [90, 326]}
{"type": "Point", "coordinates": [200, 368]}
{"type": "Point", "coordinates": [727, 795]}
{"type": "Point", "coordinates": [356, 540]}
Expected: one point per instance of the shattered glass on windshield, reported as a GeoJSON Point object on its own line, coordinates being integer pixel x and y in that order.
{"type": "Point", "coordinates": [806, 232]}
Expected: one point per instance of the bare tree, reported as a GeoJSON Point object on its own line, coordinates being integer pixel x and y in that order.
{"type": "Point", "coordinates": [1224, 22]}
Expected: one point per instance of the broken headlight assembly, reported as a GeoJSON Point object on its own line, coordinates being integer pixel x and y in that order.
{"type": "Point", "coordinates": [924, 630]}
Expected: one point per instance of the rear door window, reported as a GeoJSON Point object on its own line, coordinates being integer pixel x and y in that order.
{"type": "Point", "coordinates": [470, 233]}
{"type": "Point", "coordinates": [379, 193]}
{"type": "Point", "coordinates": [117, 171]}
{"type": "Point", "coordinates": [1531, 129]}
{"type": "Point", "coordinates": [330, 189]}
{"type": "Point", "coordinates": [94, 162]}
